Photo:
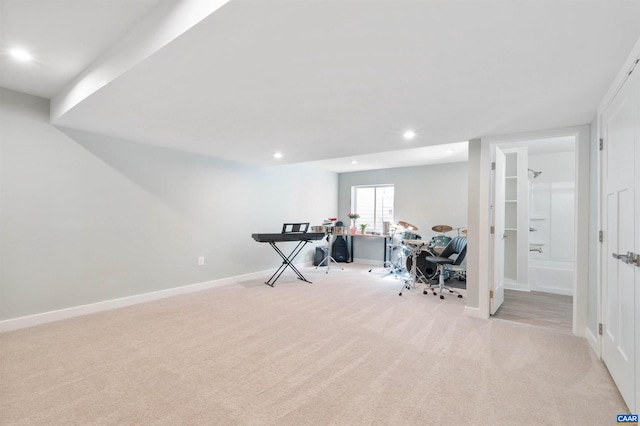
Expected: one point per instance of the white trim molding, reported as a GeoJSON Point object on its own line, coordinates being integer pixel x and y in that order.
{"type": "Point", "coordinates": [107, 305]}
{"type": "Point", "coordinates": [470, 311]}
{"type": "Point", "coordinates": [593, 341]}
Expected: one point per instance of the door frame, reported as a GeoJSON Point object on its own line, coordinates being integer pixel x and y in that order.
{"type": "Point", "coordinates": [498, 220]}
{"type": "Point", "coordinates": [582, 135]}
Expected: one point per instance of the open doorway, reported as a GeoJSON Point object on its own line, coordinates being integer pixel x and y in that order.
{"type": "Point", "coordinates": [538, 232]}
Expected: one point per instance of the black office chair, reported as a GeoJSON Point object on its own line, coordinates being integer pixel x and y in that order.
{"type": "Point", "coordinates": [449, 260]}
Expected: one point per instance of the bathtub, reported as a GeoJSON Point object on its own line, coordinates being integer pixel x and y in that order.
{"type": "Point", "coordinates": [551, 276]}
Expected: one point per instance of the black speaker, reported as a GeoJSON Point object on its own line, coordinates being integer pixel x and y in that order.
{"type": "Point", "coordinates": [339, 249]}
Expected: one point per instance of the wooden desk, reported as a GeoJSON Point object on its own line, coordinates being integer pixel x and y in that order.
{"type": "Point", "coordinates": [382, 237]}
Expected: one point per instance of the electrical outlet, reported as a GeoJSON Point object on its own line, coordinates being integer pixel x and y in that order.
{"type": "Point", "coordinates": [201, 261]}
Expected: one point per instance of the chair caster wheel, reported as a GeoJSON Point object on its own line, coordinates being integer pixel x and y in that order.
{"type": "Point", "coordinates": [450, 291]}
{"type": "Point", "coordinates": [425, 292]}
{"type": "Point", "coordinates": [459, 296]}
{"type": "Point", "coordinates": [435, 294]}
{"type": "Point", "coordinates": [399, 294]}
{"type": "Point", "coordinates": [441, 297]}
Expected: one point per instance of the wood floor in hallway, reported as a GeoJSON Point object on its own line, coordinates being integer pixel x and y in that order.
{"type": "Point", "coordinates": [537, 308]}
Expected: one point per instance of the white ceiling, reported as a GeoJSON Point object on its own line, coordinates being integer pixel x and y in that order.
{"type": "Point", "coordinates": [319, 80]}
{"type": "Point", "coordinates": [64, 36]}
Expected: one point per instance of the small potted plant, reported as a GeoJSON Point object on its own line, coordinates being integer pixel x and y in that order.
{"type": "Point", "coordinates": [363, 226]}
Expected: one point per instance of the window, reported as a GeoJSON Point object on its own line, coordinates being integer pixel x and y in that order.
{"type": "Point", "coordinates": [374, 204]}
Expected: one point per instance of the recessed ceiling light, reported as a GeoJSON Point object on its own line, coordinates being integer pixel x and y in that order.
{"type": "Point", "coordinates": [409, 134]}
{"type": "Point", "coordinates": [450, 151]}
{"type": "Point", "coordinates": [277, 155]}
{"type": "Point", "coordinates": [354, 162]}
{"type": "Point", "coordinates": [20, 54]}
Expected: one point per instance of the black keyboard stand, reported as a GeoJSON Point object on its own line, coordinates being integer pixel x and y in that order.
{"type": "Point", "coordinates": [290, 232]}
{"type": "Point", "coordinates": [287, 261]}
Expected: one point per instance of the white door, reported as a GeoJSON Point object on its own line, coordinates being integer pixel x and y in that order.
{"type": "Point", "coordinates": [619, 275]}
{"type": "Point", "coordinates": [497, 284]}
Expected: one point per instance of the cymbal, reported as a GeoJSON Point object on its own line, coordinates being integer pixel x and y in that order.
{"type": "Point", "coordinates": [441, 228]}
{"type": "Point", "coordinates": [407, 225]}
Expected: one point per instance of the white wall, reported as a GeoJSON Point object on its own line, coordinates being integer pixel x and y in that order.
{"type": "Point", "coordinates": [424, 196]}
{"type": "Point", "coordinates": [556, 167]}
{"type": "Point", "coordinates": [477, 219]}
{"type": "Point", "coordinates": [88, 218]}
{"type": "Point", "coordinates": [552, 197]}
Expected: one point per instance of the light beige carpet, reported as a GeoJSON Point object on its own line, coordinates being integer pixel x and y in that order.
{"type": "Point", "coordinates": [345, 350]}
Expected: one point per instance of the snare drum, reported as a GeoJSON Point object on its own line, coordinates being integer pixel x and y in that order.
{"type": "Point", "coordinates": [413, 244]}
{"type": "Point", "coordinates": [340, 230]}
{"type": "Point", "coordinates": [440, 242]}
{"type": "Point", "coordinates": [319, 229]}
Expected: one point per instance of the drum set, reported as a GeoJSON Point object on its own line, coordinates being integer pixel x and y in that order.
{"type": "Point", "coordinates": [413, 252]}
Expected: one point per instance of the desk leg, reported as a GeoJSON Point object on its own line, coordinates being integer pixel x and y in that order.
{"type": "Point", "coordinates": [384, 248]}
{"type": "Point", "coordinates": [351, 249]}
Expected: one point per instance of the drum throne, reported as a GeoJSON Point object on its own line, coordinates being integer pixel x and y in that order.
{"type": "Point", "coordinates": [450, 260]}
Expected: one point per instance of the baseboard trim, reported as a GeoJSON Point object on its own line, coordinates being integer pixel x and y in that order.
{"type": "Point", "coordinates": [593, 341]}
{"type": "Point", "coordinates": [107, 305]}
{"type": "Point", "coordinates": [553, 290]}
{"type": "Point", "coordinates": [368, 262]}
{"type": "Point", "coordinates": [512, 285]}
{"type": "Point", "coordinates": [470, 311]}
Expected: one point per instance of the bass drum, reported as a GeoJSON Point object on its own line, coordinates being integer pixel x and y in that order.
{"type": "Point", "coordinates": [428, 269]}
